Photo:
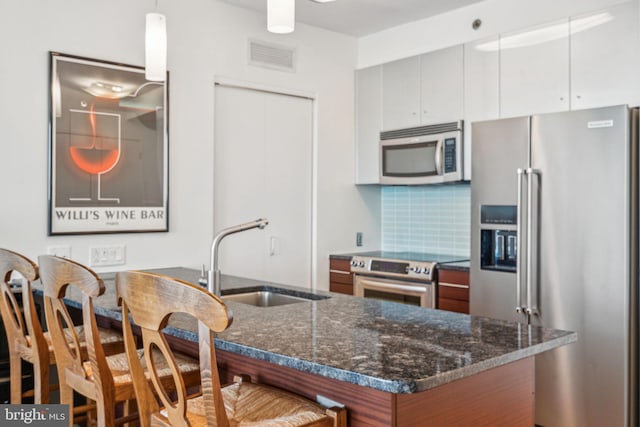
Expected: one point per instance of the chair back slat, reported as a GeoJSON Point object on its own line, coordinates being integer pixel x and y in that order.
{"type": "Point", "coordinates": [19, 323]}
{"type": "Point", "coordinates": [151, 299]}
{"type": "Point", "coordinates": [25, 338]}
{"type": "Point", "coordinates": [57, 276]}
{"type": "Point", "coordinates": [211, 391]}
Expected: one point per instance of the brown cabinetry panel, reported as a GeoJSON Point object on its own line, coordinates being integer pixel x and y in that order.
{"type": "Point", "coordinates": [497, 397]}
{"type": "Point", "coordinates": [453, 290]}
{"type": "Point", "coordinates": [453, 276]}
{"type": "Point", "coordinates": [340, 276]}
{"type": "Point", "coordinates": [341, 288]}
{"type": "Point", "coordinates": [453, 305]}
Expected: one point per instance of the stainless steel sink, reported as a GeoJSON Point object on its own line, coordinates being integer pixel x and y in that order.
{"type": "Point", "coordinates": [264, 298]}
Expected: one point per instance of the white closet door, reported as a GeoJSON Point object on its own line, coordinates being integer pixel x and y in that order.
{"type": "Point", "coordinates": [263, 168]}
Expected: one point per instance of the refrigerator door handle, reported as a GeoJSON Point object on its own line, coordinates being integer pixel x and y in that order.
{"type": "Point", "coordinates": [519, 305]}
{"type": "Point", "coordinates": [532, 232]}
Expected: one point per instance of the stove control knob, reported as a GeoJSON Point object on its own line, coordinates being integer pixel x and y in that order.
{"type": "Point", "coordinates": [426, 270]}
{"type": "Point", "coordinates": [361, 264]}
{"type": "Point", "coordinates": [354, 263]}
{"type": "Point", "coordinates": [415, 269]}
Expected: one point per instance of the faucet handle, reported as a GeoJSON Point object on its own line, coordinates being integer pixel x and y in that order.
{"type": "Point", "coordinates": [203, 277]}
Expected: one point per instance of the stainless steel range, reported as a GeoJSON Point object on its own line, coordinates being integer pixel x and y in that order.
{"type": "Point", "coordinates": [406, 277]}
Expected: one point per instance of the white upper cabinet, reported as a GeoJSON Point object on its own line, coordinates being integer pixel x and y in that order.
{"type": "Point", "coordinates": [534, 70]}
{"type": "Point", "coordinates": [481, 89]}
{"type": "Point", "coordinates": [368, 124]}
{"type": "Point", "coordinates": [423, 90]}
{"type": "Point", "coordinates": [442, 86]}
{"type": "Point", "coordinates": [401, 93]}
{"type": "Point", "coordinates": [605, 57]}
{"type": "Point", "coordinates": [586, 61]}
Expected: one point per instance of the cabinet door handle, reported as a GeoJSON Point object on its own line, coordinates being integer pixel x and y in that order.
{"type": "Point", "coordinates": [340, 272]}
{"type": "Point", "coordinates": [453, 285]}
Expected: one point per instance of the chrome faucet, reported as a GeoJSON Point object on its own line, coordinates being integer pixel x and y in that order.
{"type": "Point", "coordinates": [213, 275]}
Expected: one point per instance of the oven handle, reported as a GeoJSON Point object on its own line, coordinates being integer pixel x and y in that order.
{"type": "Point", "coordinates": [375, 285]}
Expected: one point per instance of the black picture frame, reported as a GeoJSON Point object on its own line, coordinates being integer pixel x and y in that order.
{"type": "Point", "coordinates": [108, 148]}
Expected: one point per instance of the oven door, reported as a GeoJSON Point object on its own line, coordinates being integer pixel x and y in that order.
{"type": "Point", "coordinates": [408, 292]}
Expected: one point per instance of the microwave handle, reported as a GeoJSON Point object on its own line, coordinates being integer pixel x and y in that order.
{"type": "Point", "coordinates": [439, 155]}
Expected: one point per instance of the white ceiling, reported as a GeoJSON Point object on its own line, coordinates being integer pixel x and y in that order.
{"type": "Point", "coordinates": [361, 17]}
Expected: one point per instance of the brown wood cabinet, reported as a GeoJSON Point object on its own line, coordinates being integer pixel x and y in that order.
{"type": "Point", "coordinates": [340, 276]}
{"type": "Point", "coordinates": [453, 290]}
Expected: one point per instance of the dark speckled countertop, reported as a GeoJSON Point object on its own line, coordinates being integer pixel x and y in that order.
{"type": "Point", "coordinates": [387, 346]}
{"type": "Point", "coordinates": [457, 266]}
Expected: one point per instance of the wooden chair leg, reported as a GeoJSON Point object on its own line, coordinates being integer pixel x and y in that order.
{"type": "Point", "coordinates": [66, 397]}
{"type": "Point", "coordinates": [130, 407]}
{"type": "Point", "coordinates": [41, 385]}
{"type": "Point", "coordinates": [15, 365]}
{"type": "Point", "coordinates": [105, 415]}
{"type": "Point", "coordinates": [339, 416]}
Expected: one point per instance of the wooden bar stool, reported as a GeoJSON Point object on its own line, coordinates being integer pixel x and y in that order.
{"type": "Point", "coordinates": [150, 299]}
{"type": "Point", "coordinates": [25, 336]}
{"type": "Point", "coordinates": [106, 380]}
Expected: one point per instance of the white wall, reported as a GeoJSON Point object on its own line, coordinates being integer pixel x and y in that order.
{"type": "Point", "coordinates": [454, 28]}
{"type": "Point", "coordinates": [206, 39]}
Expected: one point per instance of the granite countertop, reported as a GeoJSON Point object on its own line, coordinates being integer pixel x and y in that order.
{"type": "Point", "coordinates": [457, 266]}
{"type": "Point", "coordinates": [387, 346]}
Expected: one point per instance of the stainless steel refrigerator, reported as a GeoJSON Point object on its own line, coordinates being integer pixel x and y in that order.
{"type": "Point", "coordinates": [554, 243]}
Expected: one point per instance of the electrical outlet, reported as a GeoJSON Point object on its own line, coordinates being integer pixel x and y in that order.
{"type": "Point", "coordinates": [60, 250]}
{"type": "Point", "coordinates": [102, 256]}
{"type": "Point", "coordinates": [359, 238]}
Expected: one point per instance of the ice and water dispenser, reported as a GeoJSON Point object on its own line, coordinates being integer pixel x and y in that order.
{"type": "Point", "coordinates": [498, 238]}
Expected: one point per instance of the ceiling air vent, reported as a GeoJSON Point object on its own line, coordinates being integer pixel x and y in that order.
{"type": "Point", "coordinates": [269, 55]}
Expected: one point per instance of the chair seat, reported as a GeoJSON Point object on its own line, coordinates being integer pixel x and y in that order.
{"type": "Point", "coordinates": [110, 339]}
{"type": "Point", "coordinates": [119, 366]}
{"type": "Point", "coordinates": [255, 405]}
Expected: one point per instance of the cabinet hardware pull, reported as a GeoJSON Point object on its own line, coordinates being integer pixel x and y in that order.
{"type": "Point", "coordinates": [454, 285]}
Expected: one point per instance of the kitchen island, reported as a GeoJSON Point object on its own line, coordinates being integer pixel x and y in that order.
{"type": "Point", "coordinates": [390, 364]}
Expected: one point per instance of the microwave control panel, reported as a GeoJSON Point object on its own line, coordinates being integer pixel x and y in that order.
{"type": "Point", "coordinates": [449, 155]}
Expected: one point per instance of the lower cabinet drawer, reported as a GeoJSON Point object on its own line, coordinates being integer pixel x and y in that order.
{"type": "Point", "coordinates": [454, 305]}
{"type": "Point", "coordinates": [341, 277]}
{"type": "Point", "coordinates": [453, 291]}
{"type": "Point", "coordinates": [341, 288]}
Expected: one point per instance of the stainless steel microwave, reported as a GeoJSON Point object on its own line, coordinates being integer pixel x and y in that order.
{"type": "Point", "coordinates": [422, 155]}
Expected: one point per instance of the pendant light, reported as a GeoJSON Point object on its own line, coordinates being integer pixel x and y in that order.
{"type": "Point", "coordinates": [281, 16]}
{"type": "Point", "coordinates": [156, 47]}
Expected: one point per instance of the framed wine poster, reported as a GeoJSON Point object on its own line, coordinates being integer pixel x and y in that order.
{"type": "Point", "coordinates": [108, 148]}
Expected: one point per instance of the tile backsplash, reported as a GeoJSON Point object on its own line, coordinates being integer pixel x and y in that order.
{"type": "Point", "coordinates": [433, 219]}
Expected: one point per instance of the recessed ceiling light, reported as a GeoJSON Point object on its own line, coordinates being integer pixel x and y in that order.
{"type": "Point", "coordinates": [281, 15]}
